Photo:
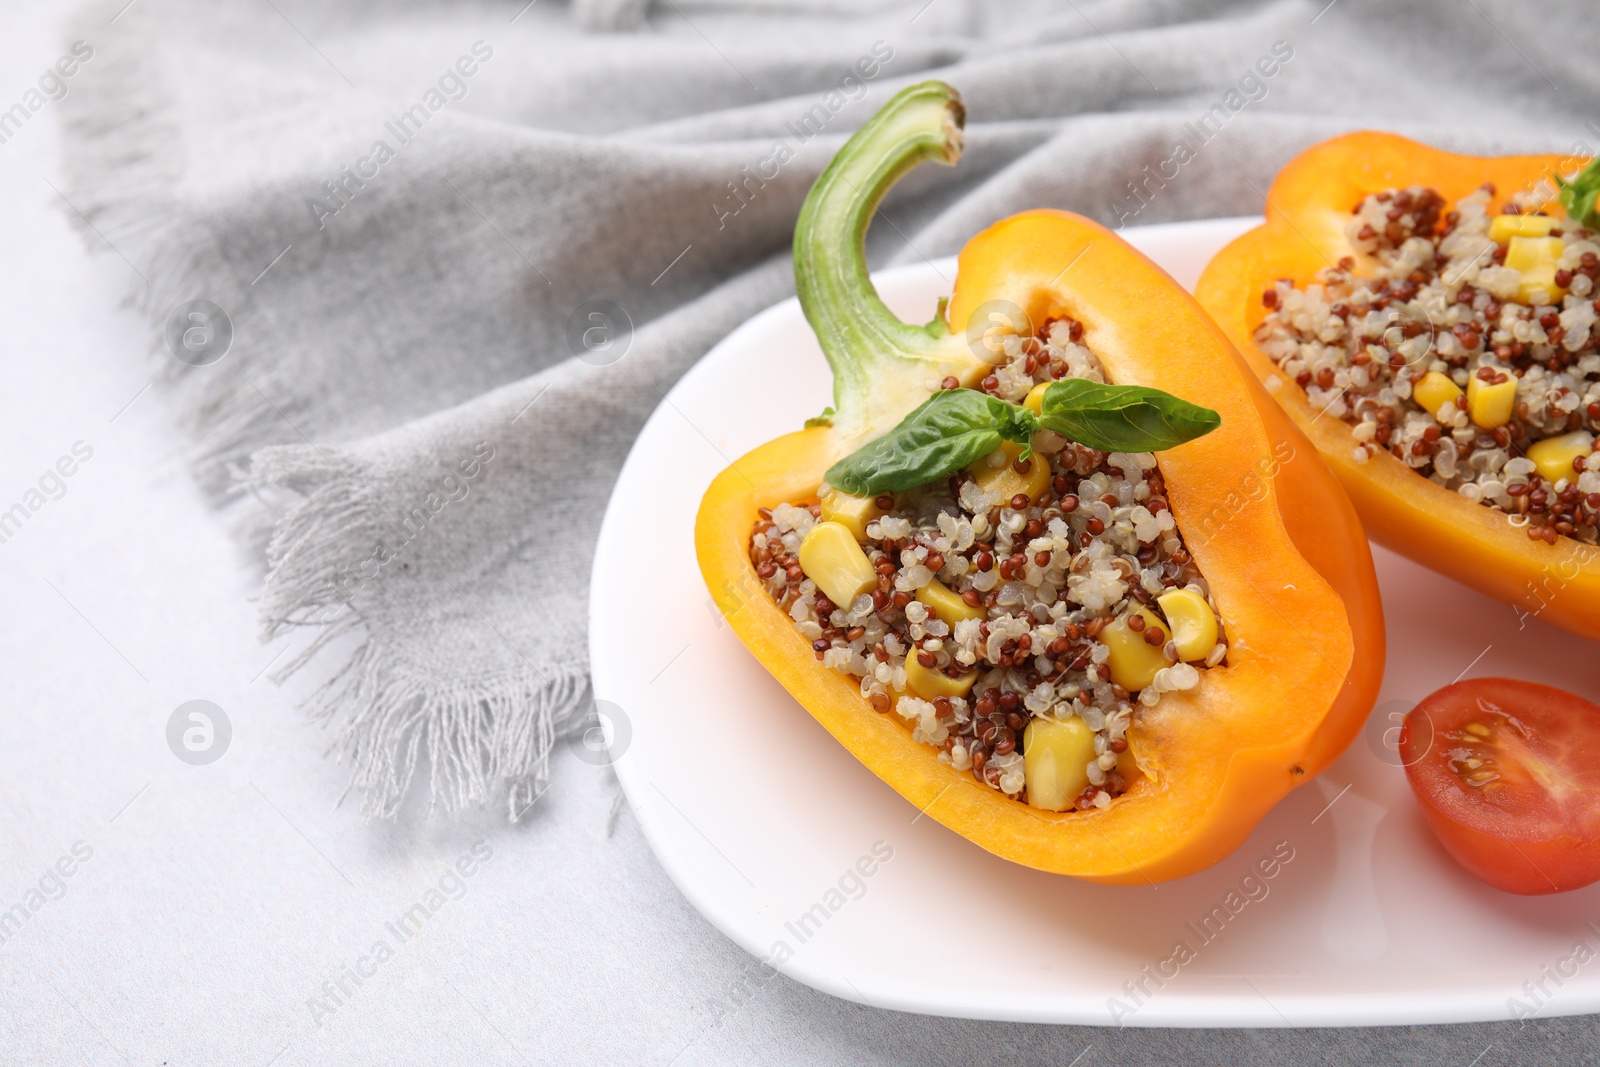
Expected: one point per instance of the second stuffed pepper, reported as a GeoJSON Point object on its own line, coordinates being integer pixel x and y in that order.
{"type": "Point", "coordinates": [1430, 321]}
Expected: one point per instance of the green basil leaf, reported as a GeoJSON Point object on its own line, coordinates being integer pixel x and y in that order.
{"type": "Point", "coordinates": [1122, 418]}
{"type": "Point", "coordinates": [1578, 196]}
{"type": "Point", "coordinates": [949, 430]}
{"type": "Point", "coordinates": [1017, 423]}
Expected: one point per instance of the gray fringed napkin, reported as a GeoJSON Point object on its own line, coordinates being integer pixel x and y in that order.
{"type": "Point", "coordinates": [410, 217]}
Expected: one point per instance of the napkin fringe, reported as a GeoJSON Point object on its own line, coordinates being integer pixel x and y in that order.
{"type": "Point", "coordinates": [124, 177]}
{"type": "Point", "coordinates": [478, 736]}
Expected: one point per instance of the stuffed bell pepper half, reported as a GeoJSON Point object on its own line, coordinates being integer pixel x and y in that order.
{"type": "Point", "coordinates": [1053, 566]}
{"type": "Point", "coordinates": [1429, 321]}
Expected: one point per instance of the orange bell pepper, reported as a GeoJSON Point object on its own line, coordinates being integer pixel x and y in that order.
{"type": "Point", "coordinates": [1307, 208]}
{"type": "Point", "coordinates": [1282, 549]}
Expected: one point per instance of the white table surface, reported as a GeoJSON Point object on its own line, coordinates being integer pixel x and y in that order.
{"type": "Point", "coordinates": [219, 899]}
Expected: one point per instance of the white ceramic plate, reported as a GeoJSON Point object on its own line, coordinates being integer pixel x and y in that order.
{"type": "Point", "coordinates": [760, 817]}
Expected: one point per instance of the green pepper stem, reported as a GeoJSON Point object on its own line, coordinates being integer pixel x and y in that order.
{"type": "Point", "coordinates": [882, 367]}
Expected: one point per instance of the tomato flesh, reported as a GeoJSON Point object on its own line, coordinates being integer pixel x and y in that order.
{"type": "Point", "coordinates": [1508, 776]}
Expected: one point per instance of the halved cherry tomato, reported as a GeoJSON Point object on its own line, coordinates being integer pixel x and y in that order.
{"type": "Point", "coordinates": [1508, 775]}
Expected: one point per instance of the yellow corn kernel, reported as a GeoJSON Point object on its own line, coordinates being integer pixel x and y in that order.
{"type": "Point", "coordinates": [1538, 285]}
{"type": "Point", "coordinates": [1503, 228]}
{"type": "Point", "coordinates": [1034, 401]}
{"type": "Point", "coordinates": [1525, 252]}
{"type": "Point", "coordinates": [1134, 661]}
{"type": "Point", "coordinates": [1193, 623]}
{"type": "Point", "coordinates": [1055, 761]}
{"type": "Point", "coordinates": [997, 473]}
{"type": "Point", "coordinates": [852, 511]}
{"type": "Point", "coordinates": [930, 683]}
{"type": "Point", "coordinates": [1434, 390]}
{"type": "Point", "coordinates": [831, 557]}
{"type": "Point", "coordinates": [1490, 403]}
{"type": "Point", "coordinates": [947, 603]}
{"type": "Point", "coordinates": [1554, 455]}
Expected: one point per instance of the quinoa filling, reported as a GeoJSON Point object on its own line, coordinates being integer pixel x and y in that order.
{"type": "Point", "coordinates": [1469, 353]}
{"type": "Point", "coordinates": [996, 610]}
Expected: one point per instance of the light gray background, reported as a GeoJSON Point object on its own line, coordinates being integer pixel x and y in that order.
{"type": "Point", "coordinates": [220, 898]}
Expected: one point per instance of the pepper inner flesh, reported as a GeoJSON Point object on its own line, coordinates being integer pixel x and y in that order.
{"type": "Point", "coordinates": [989, 611]}
{"type": "Point", "coordinates": [1468, 351]}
